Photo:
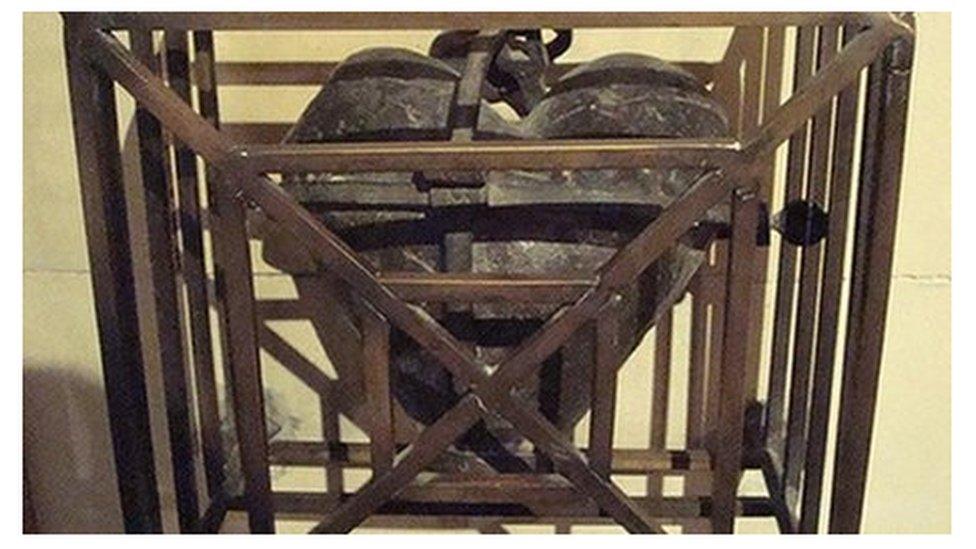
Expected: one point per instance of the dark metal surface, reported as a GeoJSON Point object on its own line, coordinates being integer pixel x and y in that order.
{"type": "Point", "coordinates": [887, 107]}
{"type": "Point", "coordinates": [802, 223]}
{"type": "Point", "coordinates": [158, 196]}
{"type": "Point", "coordinates": [107, 235]}
{"type": "Point", "coordinates": [234, 287]}
{"type": "Point", "coordinates": [830, 302]}
{"type": "Point", "coordinates": [193, 269]}
{"type": "Point", "coordinates": [391, 94]}
{"type": "Point", "coordinates": [809, 283]}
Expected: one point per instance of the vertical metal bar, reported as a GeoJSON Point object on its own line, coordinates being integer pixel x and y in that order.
{"type": "Point", "coordinates": [695, 437]}
{"type": "Point", "coordinates": [604, 389]}
{"type": "Point", "coordinates": [376, 377]}
{"type": "Point", "coordinates": [796, 160]}
{"type": "Point", "coordinates": [727, 442]}
{"type": "Point", "coordinates": [695, 409]}
{"type": "Point", "coordinates": [833, 266]}
{"type": "Point", "coordinates": [809, 290]}
{"type": "Point", "coordinates": [161, 243]}
{"type": "Point", "coordinates": [334, 482]}
{"type": "Point", "coordinates": [884, 141]}
{"type": "Point", "coordinates": [195, 275]}
{"type": "Point", "coordinates": [107, 234]}
{"type": "Point", "coordinates": [727, 85]}
{"type": "Point", "coordinates": [659, 395]}
{"type": "Point", "coordinates": [772, 82]}
{"type": "Point", "coordinates": [718, 278]}
{"type": "Point", "coordinates": [457, 246]}
{"type": "Point", "coordinates": [752, 55]}
{"type": "Point", "coordinates": [550, 395]}
{"type": "Point", "coordinates": [235, 298]}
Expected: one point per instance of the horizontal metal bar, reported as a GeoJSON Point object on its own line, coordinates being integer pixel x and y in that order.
{"type": "Point", "coordinates": [500, 189]}
{"type": "Point", "coordinates": [479, 287]}
{"type": "Point", "coordinates": [314, 73]}
{"type": "Point", "coordinates": [455, 513]}
{"type": "Point", "coordinates": [503, 494]}
{"type": "Point", "coordinates": [625, 461]}
{"type": "Point", "coordinates": [386, 520]}
{"type": "Point", "coordinates": [486, 155]}
{"type": "Point", "coordinates": [267, 133]}
{"type": "Point", "coordinates": [458, 20]}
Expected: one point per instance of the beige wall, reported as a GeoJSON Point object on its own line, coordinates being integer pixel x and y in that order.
{"type": "Point", "coordinates": [66, 437]}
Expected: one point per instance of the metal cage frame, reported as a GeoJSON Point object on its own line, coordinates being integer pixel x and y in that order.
{"type": "Point", "coordinates": [729, 430]}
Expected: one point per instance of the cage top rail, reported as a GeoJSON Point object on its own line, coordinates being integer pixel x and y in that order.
{"type": "Point", "coordinates": [472, 20]}
{"type": "Point", "coordinates": [881, 29]}
{"type": "Point", "coordinates": [593, 154]}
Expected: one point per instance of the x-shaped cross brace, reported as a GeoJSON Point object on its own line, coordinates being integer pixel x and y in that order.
{"type": "Point", "coordinates": [486, 393]}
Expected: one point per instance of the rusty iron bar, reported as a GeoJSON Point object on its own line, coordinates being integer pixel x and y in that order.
{"type": "Point", "coordinates": [193, 267]}
{"type": "Point", "coordinates": [109, 253]}
{"type": "Point", "coordinates": [888, 81]}
{"type": "Point", "coordinates": [161, 245]}
{"type": "Point", "coordinates": [727, 442]}
{"type": "Point", "coordinates": [376, 377]}
{"type": "Point", "coordinates": [498, 155]}
{"type": "Point", "coordinates": [660, 388]}
{"type": "Point", "coordinates": [828, 81]}
{"type": "Point", "coordinates": [314, 73]}
{"type": "Point", "coordinates": [807, 302]}
{"type": "Point", "coordinates": [234, 296]}
{"type": "Point", "coordinates": [830, 301]}
{"type": "Point", "coordinates": [469, 20]}
{"type": "Point", "coordinates": [623, 461]}
{"type": "Point", "coordinates": [603, 385]}
{"type": "Point", "coordinates": [484, 287]}
{"type": "Point", "coordinates": [796, 165]}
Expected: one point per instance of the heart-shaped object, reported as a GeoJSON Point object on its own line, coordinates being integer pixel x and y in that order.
{"type": "Point", "coordinates": [395, 94]}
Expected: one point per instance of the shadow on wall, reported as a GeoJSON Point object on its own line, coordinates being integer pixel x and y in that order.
{"type": "Point", "coordinates": [67, 443]}
{"type": "Point", "coordinates": [81, 493]}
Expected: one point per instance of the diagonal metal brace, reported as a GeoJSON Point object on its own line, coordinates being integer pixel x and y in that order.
{"type": "Point", "coordinates": [150, 91]}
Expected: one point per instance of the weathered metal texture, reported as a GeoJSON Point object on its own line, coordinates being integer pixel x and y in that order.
{"type": "Point", "coordinates": [518, 70]}
{"type": "Point", "coordinates": [389, 94]}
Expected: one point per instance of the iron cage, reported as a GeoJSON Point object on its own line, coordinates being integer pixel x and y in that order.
{"type": "Point", "coordinates": [845, 113]}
